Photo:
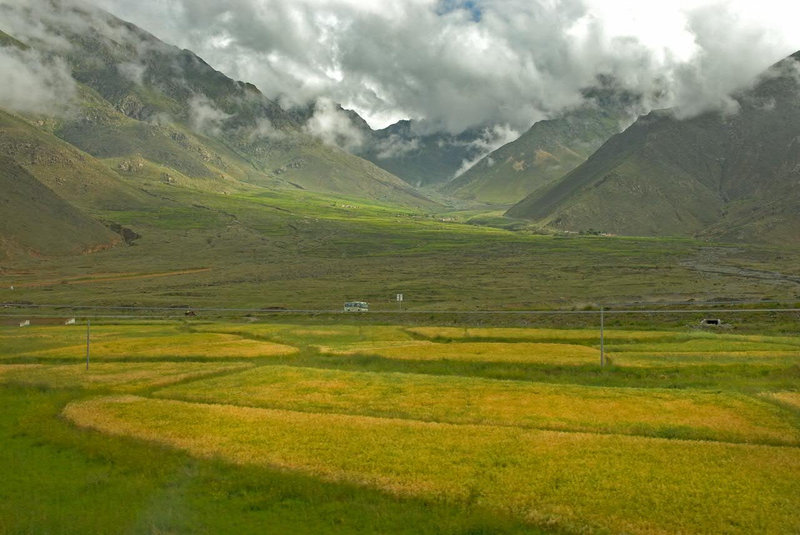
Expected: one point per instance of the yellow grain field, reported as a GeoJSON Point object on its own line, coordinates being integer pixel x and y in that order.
{"type": "Point", "coordinates": [253, 329]}
{"type": "Point", "coordinates": [672, 359]}
{"type": "Point", "coordinates": [40, 340]}
{"type": "Point", "coordinates": [116, 376]}
{"type": "Point", "coordinates": [705, 345]}
{"type": "Point", "coordinates": [591, 336]}
{"type": "Point", "coordinates": [576, 481]}
{"type": "Point", "coordinates": [334, 334]}
{"type": "Point", "coordinates": [651, 412]}
{"type": "Point", "coordinates": [789, 398]}
{"type": "Point", "coordinates": [473, 352]}
{"type": "Point", "coordinates": [178, 345]}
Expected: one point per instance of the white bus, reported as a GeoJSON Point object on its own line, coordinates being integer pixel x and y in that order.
{"type": "Point", "coordinates": [356, 306]}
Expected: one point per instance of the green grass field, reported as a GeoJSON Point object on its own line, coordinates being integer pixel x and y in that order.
{"type": "Point", "coordinates": [257, 248]}
{"type": "Point", "coordinates": [324, 427]}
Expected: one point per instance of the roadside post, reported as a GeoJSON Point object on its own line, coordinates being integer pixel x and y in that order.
{"type": "Point", "coordinates": [88, 329]}
{"type": "Point", "coordinates": [602, 348]}
{"type": "Point", "coordinates": [400, 301]}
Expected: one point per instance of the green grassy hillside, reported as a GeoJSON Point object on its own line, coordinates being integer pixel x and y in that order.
{"type": "Point", "coordinates": [36, 221]}
{"type": "Point", "coordinates": [141, 98]}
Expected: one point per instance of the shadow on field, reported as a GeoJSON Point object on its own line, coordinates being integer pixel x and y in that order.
{"type": "Point", "coordinates": [67, 480]}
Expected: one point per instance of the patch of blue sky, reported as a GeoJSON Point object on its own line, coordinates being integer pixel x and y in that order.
{"type": "Point", "coordinates": [471, 6]}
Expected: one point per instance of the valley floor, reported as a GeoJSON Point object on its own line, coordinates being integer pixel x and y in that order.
{"type": "Point", "coordinates": [299, 250]}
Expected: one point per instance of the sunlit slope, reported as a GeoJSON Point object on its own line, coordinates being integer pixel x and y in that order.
{"type": "Point", "coordinates": [177, 111]}
{"type": "Point", "coordinates": [58, 199]}
{"type": "Point", "coordinates": [730, 175]}
{"type": "Point", "coordinates": [71, 173]}
{"type": "Point", "coordinates": [37, 221]}
{"type": "Point", "coordinates": [547, 151]}
{"type": "Point", "coordinates": [139, 100]}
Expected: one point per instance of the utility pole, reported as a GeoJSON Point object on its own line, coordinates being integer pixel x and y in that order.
{"type": "Point", "coordinates": [88, 329]}
{"type": "Point", "coordinates": [602, 340]}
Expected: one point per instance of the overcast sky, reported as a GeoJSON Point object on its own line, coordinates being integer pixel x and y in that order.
{"type": "Point", "coordinates": [460, 63]}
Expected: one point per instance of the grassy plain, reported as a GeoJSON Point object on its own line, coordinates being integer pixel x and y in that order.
{"type": "Point", "coordinates": [253, 248]}
{"type": "Point", "coordinates": [467, 439]}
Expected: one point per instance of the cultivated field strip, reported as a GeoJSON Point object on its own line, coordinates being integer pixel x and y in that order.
{"type": "Point", "coordinates": [522, 352]}
{"type": "Point", "coordinates": [791, 399]}
{"type": "Point", "coordinates": [650, 412]}
{"type": "Point", "coordinates": [613, 336]}
{"type": "Point", "coordinates": [329, 334]}
{"type": "Point", "coordinates": [575, 336]}
{"type": "Point", "coordinates": [653, 359]}
{"type": "Point", "coordinates": [704, 345]}
{"type": "Point", "coordinates": [116, 376]}
{"type": "Point", "coordinates": [183, 346]}
{"type": "Point", "coordinates": [532, 345]}
{"type": "Point", "coordinates": [583, 481]}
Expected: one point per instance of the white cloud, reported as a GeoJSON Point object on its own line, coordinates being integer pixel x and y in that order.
{"type": "Point", "coordinates": [205, 117]}
{"type": "Point", "coordinates": [490, 140]}
{"type": "Point", "coordinates": [264, 130]}
{"type": "Point", "coordinates": [132, 71]}
{"type": "Point", "coordinates": [33, 83]}
{"type": "Point", "coordinates": [458, 65]}
{"type": "Point", "coordinates": [332, 126]}
{"type": "Point", "coordinates": [395, 146]}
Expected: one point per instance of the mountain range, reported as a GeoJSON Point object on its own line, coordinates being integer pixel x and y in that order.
{"type": "Point", "coordinates": [135, 111]}
{"type": "Point", "coordinates": [727, 175]}
{"type": "Point", "coordinates": [427, 159]}
{"type": "Point", "coordinates": [420, 154]}
{"type": "Point", "coordinates": [549, 149]}
{"type": "Point", "coordinates": [140, 96]}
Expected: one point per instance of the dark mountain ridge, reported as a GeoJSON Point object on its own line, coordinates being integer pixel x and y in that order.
{"type": "Point", "coordinates": [424, 158]}
{"type": "Point", "coordinates": [722, 175]}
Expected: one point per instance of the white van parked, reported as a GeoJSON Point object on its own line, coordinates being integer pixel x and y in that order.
{"type": "Point", "coordinates": [356, 306]}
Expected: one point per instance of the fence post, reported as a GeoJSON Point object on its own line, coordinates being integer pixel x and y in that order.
{"type": "Point", "coordinates": [88, 327]}
{"type": "Point", "coordinates": [602, 341]}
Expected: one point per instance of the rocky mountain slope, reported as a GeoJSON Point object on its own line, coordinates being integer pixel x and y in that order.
{"type": "Point", "coordinates": [425, 159]}
{"type": "Point", "coordinates": [98, 106]}
{"type": "Point", "coordinates": [136, 96]}
{"type": "Point", "coordinates": [548, 150]}
{"type": "Point", "coordinates": [732, 175]}
{"type": "Point", "coordinates": [418, 153]}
